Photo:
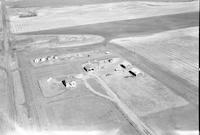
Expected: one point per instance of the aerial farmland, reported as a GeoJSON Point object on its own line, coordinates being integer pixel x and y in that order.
{"type": "Point", "coordinates": [113, 67]}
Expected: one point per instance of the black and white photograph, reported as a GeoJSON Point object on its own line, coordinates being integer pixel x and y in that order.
{"type": "Point", "coordinates": [99, 67]}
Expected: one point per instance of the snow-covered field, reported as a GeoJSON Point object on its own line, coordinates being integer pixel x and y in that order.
{"type": "Point", "coordinates": [69, 16]}
{"type": "Point", "coordinates": [175, 51]}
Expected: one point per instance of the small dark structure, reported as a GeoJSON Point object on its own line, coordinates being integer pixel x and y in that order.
{"type": "Point", "coordinates": [122, 65]}
{"type": "Point", "coordinates": [132, 73]}
{"type": "Point", "coordinates": [135, 71]}
{"type": "Point", "coordinates": [88, 68]}
{"type": "Point", "coordinates": [64, 82]}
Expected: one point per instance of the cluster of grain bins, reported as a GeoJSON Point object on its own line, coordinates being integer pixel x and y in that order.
{"type": "Point", "coordinates": [71, 56]}
{"type": "Point", "coordinates": [45, 59]}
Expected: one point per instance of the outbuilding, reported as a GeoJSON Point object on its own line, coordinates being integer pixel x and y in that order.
{"type": "Point", "coordinates": [135, 71]}
{"type": "Point", "coordinates": [88, 68]}
{"type": "Point", "coordinates": [126, 65]}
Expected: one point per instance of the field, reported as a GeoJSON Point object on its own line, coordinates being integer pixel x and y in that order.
{"type": "Point", "coordinates": [71, 109]}
{"type": "Point", "coordinates": [53, 3]}
{"type": "Point", "coordinates": [0, 20]}
{"type": "Point", "coordinates": [54, 18]}
{"type": "Point", "coordinates": [98, 67]}
{"type": "Point", "coordinates": [106, 99]}
{"type": "Point", "coordinates": [175, 51]}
